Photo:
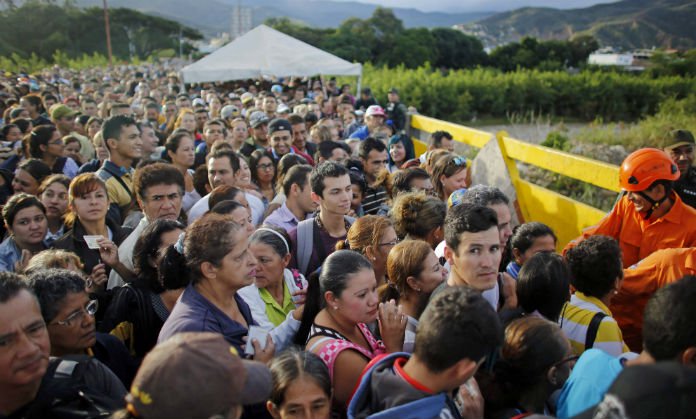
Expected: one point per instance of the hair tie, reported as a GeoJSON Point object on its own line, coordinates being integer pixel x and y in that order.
{"type": "Point", "coordinates": [179, 245]}
{"type": "Point", "coordinates": [346, 244]}
{"type": "Point", "coordinates": [285, 242]}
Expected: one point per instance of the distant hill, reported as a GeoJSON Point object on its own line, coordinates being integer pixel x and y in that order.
{"type": "Point", "coordinates": [626, 24]}
{"type": "Point", "coordinates": [213, 16]}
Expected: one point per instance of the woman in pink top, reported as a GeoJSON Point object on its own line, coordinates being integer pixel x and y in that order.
{"type": "Point", "coordinates": [346, 293]}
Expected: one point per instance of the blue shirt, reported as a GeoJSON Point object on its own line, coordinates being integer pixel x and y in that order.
{"type": "Point", "coordinates": [283, 218]}
{"type": "Point", "coordinates": [592, 375]}
{"type": "Point", "coordinates": [361, 133]}
{"type": "Point", "coordinates": [195, 313]}
{"type": "Point", "coordinates": [9, 255]}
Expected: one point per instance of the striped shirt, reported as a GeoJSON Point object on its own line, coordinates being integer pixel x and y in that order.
{"type": "Point", "coordinates": [373, 199]}
{"type": "Point", "coordinates": [575, 320]}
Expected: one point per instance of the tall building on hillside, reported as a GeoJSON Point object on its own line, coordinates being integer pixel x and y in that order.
{"type": "Point", "coordinates": [241, 21]}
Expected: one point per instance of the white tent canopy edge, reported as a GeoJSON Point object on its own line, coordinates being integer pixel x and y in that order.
{"type": "Point", "coordinates": [263, 51]}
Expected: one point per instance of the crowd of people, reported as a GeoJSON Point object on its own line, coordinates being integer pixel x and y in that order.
{"type": "Point", "coordinates": [277, 249]}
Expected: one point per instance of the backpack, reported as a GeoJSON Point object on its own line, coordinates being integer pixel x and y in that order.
{"type": "Point", "coordinates": [64, 394]}
{"type": "Point", "coordinates": [305, 243]}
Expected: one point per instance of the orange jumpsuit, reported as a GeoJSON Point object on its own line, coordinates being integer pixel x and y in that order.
{"type": "Point", "coordinates": [641, 281]}
{"type": "Point", "coordinates": [637, 237]}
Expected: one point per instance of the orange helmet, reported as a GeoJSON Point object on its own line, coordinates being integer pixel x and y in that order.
{"type": "Point", "coordinates": [645, 166]}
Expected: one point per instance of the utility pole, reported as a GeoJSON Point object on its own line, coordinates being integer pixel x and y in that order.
{"type": "Point", "coordinates": [108, 33]}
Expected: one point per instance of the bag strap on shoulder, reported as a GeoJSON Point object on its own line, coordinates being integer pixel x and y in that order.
{"type": "Point", "coordinates": [592, 329]}
{"type": "Point", "coordinates": [305, 244]}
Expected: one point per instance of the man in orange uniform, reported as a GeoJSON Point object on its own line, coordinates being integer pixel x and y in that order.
{"type": "Point", "coordinates": [641, 281]}
{"type": "Point", "coordinates": [650, 215]}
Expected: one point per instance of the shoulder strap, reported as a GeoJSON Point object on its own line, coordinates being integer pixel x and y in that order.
{"type": "Point", "coordinates": [59, 165]}
{"type": "Point", "coordinates": [123, 184]}
{"type": "Point", "coordinates": [305, 244]}
{"type": "Point", "coordinates": [592, 329]}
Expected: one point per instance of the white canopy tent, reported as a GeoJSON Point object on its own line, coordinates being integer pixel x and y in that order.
{"type": "Point", "coordinates": [264, 51]}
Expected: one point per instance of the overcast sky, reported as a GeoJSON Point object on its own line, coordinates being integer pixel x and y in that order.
{"type": "Point", "coordinates": [481, 5]}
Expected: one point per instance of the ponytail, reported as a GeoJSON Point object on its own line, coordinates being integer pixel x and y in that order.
{"type": "Point", "coordinates": [388, 292]}
{"type": "Point", "coordinates": [313, 304]}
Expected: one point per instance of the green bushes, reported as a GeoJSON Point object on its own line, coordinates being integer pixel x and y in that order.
{"type": "Point", "coordinates": [460, 95]}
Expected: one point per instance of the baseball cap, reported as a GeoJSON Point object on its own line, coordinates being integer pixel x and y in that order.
{"type": "Point", "coordinates": [61, 111]}
{"type": "Point", "coordinates": [394, 90]}
{"type": "Point", "coordinates": [196, 375]}
{"type": "Point", "coordinates": [677, 138]}
{"type": "Point", "coordinates": [246, 97]}
{"type": "Point", "coordinates": [198, 102]}
{"type": "Point", "coordinates": [229, 111]}
{"type": "Point", "coordinates": [279, 124]}
{"type": "Point", "coordinates": [283, 108]}
{"type": "Point", "coordinates": [375, 110]}
{"type": "Point", "coordinates": [276, 88]}
{"type": "Point", "coordinates": [257, 119]}
{"type": "Point", "coordinates": [661, 390]}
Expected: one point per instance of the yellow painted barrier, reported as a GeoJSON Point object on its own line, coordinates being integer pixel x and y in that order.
{"type": "Point", "coordinates": [466, 135]}
{"type": "Point", "coordinates": [566, 216]}
{"type": "Point", "coordinates": [597, 173]}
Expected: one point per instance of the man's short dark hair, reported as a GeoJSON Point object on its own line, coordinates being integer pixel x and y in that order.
{"type": "Point", "coordinates": [297, 175]}
{"type": "Point", "coordinates": [229, 154]}
{"type": "Point", "coordinates": [295, 119]}
{"type": "Point", "coordinates": [401, 179]}
{"type": "Point", "coordinates": [457, 324]}
{"type": "Point", "coordinates": [321, 172]}
{"type": "Point", "coordinates": [436, 137]}
{"type": "Point", "coordinates": [11, 284]}
{"type": "Point", "coordinates": [467, 218]}
{"type": "Point", "coordinates": [157, 174]}
{"type": "Point", "coordinates": [311, 118]}
{"type": "Point", "coordinates": [668, 323]}
{"type": "Point", "coordinates": [369, 144]}
{"type": "Point", "coordinates": [325, 148]}
{"type": "Point", "coordinates": [595, 264]}
{"type": "Point", "coordinates": [51, 286]}
{"type": "Point", "coordinates": [485, 195]}
{"type": "Point", "coordinates": [114, 125]}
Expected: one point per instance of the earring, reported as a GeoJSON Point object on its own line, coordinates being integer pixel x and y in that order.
{"type": "Point", "coordinates": [335, 307]}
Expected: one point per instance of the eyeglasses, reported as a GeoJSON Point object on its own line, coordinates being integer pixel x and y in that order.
{"type": "Point", "coordinates": [265, 166]}
{"type": "Point", "coordinates": [565, 360]}
{"type": "Point", "coordinates": [391, 243]}
{"type": "Point", "coordinates": [90, 309]}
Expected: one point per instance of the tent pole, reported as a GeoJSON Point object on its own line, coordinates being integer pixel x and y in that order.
{"type": "Point", "coordinates": [357, 94]}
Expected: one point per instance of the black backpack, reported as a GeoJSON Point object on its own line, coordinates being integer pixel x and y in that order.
{"type": "Point", "coordinates": [64, 394]}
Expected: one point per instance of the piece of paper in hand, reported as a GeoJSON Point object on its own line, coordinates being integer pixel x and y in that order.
{"type": "Point", "coordinates": [255, 332]}
{"type": "Point", "coordinates": [92, 241]}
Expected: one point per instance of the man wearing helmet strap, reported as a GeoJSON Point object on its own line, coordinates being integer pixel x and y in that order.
{"type": "Point", "coordinates": [649, 215]}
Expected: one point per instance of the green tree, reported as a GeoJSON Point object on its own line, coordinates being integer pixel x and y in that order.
{"type": "Point", "coordinates": [454, 49]}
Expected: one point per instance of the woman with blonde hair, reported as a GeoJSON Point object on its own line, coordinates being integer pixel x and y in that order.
{"type": "Point", "coordinates": [372, 236]}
